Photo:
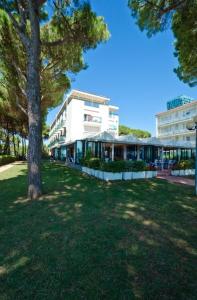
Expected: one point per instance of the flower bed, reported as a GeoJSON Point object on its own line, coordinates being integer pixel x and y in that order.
{"type": "Point", "coordinates": [186, 172]}
{"type": "Point", "coordinates": [111, 176]}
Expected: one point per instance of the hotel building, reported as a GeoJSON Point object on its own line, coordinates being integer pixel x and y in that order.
{"type": "Point", "coordinates": [171, 124]}
{"type": "Point", "coordinates": [88, 123]}
{"type": "Point", "coordinates": [81, 116]}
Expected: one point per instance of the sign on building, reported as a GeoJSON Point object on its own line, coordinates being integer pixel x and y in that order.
{"type": "Point", "coordinates": [179, 101]}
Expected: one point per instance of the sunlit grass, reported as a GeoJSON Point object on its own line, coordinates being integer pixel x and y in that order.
{"type": "Point", "coordinates": [87, 239]}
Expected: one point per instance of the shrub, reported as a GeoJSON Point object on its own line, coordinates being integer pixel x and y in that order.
{"type": "Point", "coordinates": [138, 165]}
{"type": "Point", "coordinates": [124, 166]}
{"type": "Point", "coordinates": [184, 164]}
{"type": "Point", "coordinates": [6, 159]}
{"type": "Point", "coordinates": [150, 168]}
{"type": "Point", "coordinates": [114, 166]}
{"type": "Point", "coordinates": [94, 163]}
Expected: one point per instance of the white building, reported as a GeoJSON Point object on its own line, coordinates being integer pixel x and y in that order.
{"type": "Point", "coordinates": [86, 123]}
{"type": "Point", "coordinates": [81, 115]}
{"type": "Point", "coordinates": [171, 124]}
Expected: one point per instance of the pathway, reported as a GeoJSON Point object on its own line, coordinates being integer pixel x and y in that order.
{"type": "Point", "coordinates": [6, 167]}
{"type": "Point", "coordinates": [165, 174]}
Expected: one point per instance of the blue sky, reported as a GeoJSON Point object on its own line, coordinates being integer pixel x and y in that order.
{"type": "Point", "coordinates": [134, 71]}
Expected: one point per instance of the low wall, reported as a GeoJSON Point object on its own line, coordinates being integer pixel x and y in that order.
{"type": "Point", "coordinates": [109, 176]}
{"type": "Point", "coordinates": [186, 172]}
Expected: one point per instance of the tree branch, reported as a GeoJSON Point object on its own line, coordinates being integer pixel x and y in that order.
{"type": "Point", "coordinates": [20, 106]}
{"type": "Point", "coordinates": [172, 7]}
{"type": "Point", "coordinates": [24, 38]}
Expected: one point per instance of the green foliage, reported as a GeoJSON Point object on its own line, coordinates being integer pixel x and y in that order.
{"type": "Point", "coordinates": [72, 29]}
{"type": "Point", "coordinates": [184, 27]}
{"type": "Point", "coordinates": [6, 159]}
{"type": "Point", "coordinates": [93, 163]}
{"type": "Point", "coordinates": [185, 164]}
{"type": "Point", "coordinates": [114, 166]}
{"type": "Point", "coordinates": [45, 152]}
{"type": "Point", "coordinates": [138, 165]}
{"type": "Point", "coordinates": [156, 15]}
{"type": "Point", "coordinates": [124, 130]}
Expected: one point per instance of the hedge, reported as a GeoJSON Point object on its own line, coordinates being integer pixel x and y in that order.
{"type": "Point", "coordinates": [184, 164]}
{"type": "Point", "coordinates": [6, 159]}
{"type": "Point", "coordinates": [114, 166]}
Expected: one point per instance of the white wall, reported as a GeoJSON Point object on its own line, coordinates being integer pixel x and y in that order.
{"type": "Point", "coordinates": [75, 125]}
{"type": "Point", "coordinates": [74, 120]}
{"type": "Point", "coordinates": [172, 125]}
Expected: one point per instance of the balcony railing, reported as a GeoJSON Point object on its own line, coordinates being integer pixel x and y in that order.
{"type": "Point", "coordinates": [176, 120]}
{"type": "Point", "coordinates": [61, 139]}
{"type": "Point", "coordinates": [58, 127]}
{"type": "Point", "coordinates": [92, 119]}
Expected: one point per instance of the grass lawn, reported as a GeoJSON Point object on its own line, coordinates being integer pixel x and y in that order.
{"type": "Point", "coordinates": [86, 239]}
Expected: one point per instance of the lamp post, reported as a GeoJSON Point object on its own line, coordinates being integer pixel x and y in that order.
{"type": "Point", "coordinates": [193, 126]}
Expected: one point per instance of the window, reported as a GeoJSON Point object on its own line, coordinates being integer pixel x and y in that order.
{"type": "Point", "coordinates": [113, 127]}
{"type": "Point", "coordinates": [112, 114]}
{"type": "Point", "coordinates": [92, 104]}
{"type": "Point", "coordinates": [89, 118]}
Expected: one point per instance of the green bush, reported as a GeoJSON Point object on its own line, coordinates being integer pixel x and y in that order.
{"type": "Point", "coordinates": [94, 163]}
{"type": "Point", "coordinates": [6, 159]}
{"type": "Point", "coordinates": [124, 166]}
{"type": "Point", "coordinates": [138, 165]}
{"type": "Point", "coordinates": [185, 164]}
{"type": "Point", "coordinates": [114, 166]}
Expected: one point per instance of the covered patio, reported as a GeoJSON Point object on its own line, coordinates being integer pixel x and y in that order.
{"type": "Point", "coordinates": [128, 147]}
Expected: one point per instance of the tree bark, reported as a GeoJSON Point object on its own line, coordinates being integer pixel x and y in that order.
{"type": "Point", "coordinates": [14, 144]}
{"type": "Point", "coordinates": [34, 106]}
{"type": "Point", "coordinates": [22, 154]}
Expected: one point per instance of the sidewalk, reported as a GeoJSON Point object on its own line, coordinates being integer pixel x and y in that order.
{"type": "Point", "coordinates": [6, 167]}
{"type": "Point", "coordinates": [178, 179]}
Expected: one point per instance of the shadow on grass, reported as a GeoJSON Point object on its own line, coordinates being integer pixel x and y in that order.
{"type": "Point", "coordinates": [85, 239]}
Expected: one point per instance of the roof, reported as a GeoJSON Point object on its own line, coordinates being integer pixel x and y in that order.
{"type": "Point", "coordinates": [132, 140]}
{"type": "Point", "coordinates": [76, 94]}
{"type": "Point", "coordinates": [88, 96]}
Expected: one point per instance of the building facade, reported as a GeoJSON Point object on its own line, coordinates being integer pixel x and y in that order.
{"type": "Point", "coordinates": [171, 125]}
{"type": "Point", "coordinates": [82, 115]}
{"type": "Point", "coordinates": [87, 124]}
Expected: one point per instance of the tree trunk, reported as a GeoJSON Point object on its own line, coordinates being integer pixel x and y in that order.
{"type": "Point", "coordinates": [22, 148]}
{"type": "Point", "coordinates": [25, 147]}
{"type": "Point", "coordinates": [14, 145]}
{"type": "Point", "coordinates": [7, 144]}
{"type": "Point", "coordinates": [34, 108]}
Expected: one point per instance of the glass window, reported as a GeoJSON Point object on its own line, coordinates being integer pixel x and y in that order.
{"type": "Point", "coordinates": [90, 118]}
{"type": "Point", "coordinates": [92, 104]}
{"type": "Point", "coordinates": [79, 154]}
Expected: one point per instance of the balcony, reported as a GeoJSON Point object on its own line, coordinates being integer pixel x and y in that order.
{"type": "Point", "coordinates": [176, 120]}
{"type": "Point", "coordinates": [174, 133]}
{"type": "Point", "coordinates": [58, 127]}
{"type": "Point", "coordinates": [88, 119]}
{"type": "Point", "coordinates": [60, 140]}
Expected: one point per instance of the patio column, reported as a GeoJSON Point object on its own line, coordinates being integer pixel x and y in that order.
{"type": "Point", "coordinates": [162, 158]}
{"type": "Point", "coordinates": [138, 152]}
{"type": "Point", "coordinates": [125, 153]}
{"type": "Point", "coordinates": [74, 152]}
{"type": "Point", "coordinates": [112, 152]}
